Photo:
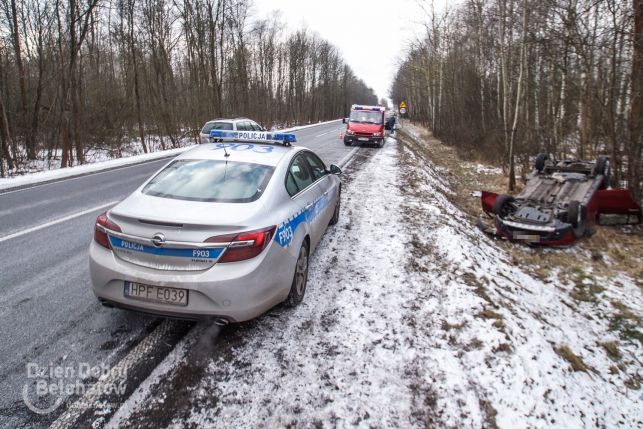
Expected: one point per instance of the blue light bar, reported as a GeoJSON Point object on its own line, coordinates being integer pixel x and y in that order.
{"type": "Point", "coordinates": [219, 134]}
{"type": "Point", "coordinates": [254, 136]}
{"type": "Point", "coordinates": [284, 137]}
{"type": "Point", "coordinates": [369, 108]}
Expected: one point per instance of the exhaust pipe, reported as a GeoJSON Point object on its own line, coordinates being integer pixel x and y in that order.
{"type": "Point", "coordinates": [220, 321]}
{"type": "Point", "coordinates": [106, 303]}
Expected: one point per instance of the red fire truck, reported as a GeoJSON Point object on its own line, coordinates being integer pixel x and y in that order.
{"type": "Point", "coordinates": [365, 126]}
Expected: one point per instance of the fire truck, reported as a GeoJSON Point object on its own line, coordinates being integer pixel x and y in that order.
{"type": "Point", "coordinates": [365, 126]}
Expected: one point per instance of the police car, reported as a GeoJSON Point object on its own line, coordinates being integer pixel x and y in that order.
{"type": "Point", "coordinates": [222, 232]}
{"type": "Point", "coordinates": [236, 124]}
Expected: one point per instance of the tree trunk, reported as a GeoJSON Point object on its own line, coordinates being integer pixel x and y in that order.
{"type": "Point", "coordinates": [514, 127]}
{"type": "Point", "coordinates": [31, 150]}
{"type": "Point", "coordinates": [141, 128]}
{"type": "Point", "coordinates": [4, 140]}
{"type": "Point", "coordinates": [634, 166]}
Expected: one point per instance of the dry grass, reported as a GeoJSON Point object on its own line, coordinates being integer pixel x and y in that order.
{"type": "Point", "coordinates": [611, 348]}
{"type": "Point", "coordinates": [626, 322]}
{"type": "Point", "coordinates": [490, 314]}
{"type": "Point", "coordinates": [574, 360]}
{"type": "Point", "coordinates": [446, 326]}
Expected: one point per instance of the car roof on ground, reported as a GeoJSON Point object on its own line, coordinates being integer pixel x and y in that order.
{"type": "Point", "coordinates": [256, 153]}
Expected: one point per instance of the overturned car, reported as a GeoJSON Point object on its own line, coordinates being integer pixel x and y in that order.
{"type": "Point", "coordinates": [560, 203]}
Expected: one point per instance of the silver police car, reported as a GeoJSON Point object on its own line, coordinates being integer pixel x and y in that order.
{"type": "Point", "coordinates": [222, 232]}
{"type": "Point", "coordinates": [236, 124]}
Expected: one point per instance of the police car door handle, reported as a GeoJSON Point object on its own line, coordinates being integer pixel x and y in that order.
{"type": "Point", "coordinates": [308, 206]}
{"type": "Point", "coordinates": [326, 193]}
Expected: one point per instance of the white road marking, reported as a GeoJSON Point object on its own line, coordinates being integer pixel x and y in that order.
{"type": "Point", "coordinates": [55, 222]}
{"type": "Point", "coordinates": [323, 134]}
{"type": "Point", "coordinates": [114, 378]}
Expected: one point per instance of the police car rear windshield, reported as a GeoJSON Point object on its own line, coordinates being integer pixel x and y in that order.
{"type": "Point", "coordinates": [367, 117]}
{"type": "Point", "coordinates": [210, 181]}
{"type": "Point", "coordinates": [216, 126]}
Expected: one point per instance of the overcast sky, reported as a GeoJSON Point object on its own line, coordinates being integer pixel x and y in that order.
{"type": "Point", "coordinates": [371, 35]}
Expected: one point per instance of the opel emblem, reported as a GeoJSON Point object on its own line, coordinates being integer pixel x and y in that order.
{"type": "Point", "coordinates": [158, 239]}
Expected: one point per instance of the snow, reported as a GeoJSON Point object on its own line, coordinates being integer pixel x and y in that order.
{"type": "Point", "coordinates": [100, 161]}
{"type": "Point", "coordinates": [413, 318]}
{"type": "Point", "coordinates": [79, 170]}
{"type": "Point", "coordinates": [170, 362]}
{"type": "Point", "coordinates": [485, 169]}
{"type": "Point", "coordinates": [538, 316]}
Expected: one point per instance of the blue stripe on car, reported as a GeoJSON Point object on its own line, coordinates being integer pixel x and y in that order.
{"type": "Point", "coordinates": [286, 231]}
{"type": "Point", "coordinates": [120, 244]}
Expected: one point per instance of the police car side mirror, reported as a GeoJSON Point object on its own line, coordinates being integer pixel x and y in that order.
{"type": "Point", "coordinates": [335, 169]}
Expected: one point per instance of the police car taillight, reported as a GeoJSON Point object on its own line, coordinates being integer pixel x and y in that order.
{"type": "Point", "coordinates": [100, 230]}
{"type": "Point", "coordinates": [245, 245]}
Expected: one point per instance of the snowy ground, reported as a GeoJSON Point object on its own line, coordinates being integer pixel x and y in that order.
{"type": "Point", "coordinates": [412, 318]}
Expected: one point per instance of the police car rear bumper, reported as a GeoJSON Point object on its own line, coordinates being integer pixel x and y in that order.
{"type": "Point", "coordinates": [363, 139]}
{"type": "Point", "coordinates": [237, 291]}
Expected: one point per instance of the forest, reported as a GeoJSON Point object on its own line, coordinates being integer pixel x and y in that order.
{"type": "Point", "coordinates": [503, 80]}
{"type": "Point", "coordinates": [77, 75]}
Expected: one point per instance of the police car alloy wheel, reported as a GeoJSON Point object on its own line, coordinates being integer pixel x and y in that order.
{"type": "Point", "coordinates": [335, 217]}
{"type": "Point", "coordinates": [300, 279]}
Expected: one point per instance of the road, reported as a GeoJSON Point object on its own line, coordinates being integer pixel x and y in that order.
{"type": "Point", "coordinates": [47, 310]}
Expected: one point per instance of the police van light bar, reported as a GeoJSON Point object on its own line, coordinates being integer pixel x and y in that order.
{"type": "Point", "coordinates": [254, 136]}
{"type": "Point", "coordinates": [372, 108]}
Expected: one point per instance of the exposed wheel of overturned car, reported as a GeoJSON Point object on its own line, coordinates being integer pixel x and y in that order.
{"type": "Point", "coordinates": [539, 164]}
{"type": "Point", "coordinates": [300, 279]}
{"type": "Point", "coordinates": [502, 206]}
{"type": "Point", "coordinates": [576, 218]}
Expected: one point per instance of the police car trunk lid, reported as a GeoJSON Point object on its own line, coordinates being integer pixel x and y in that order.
{"type": "Point", "coordinates": [169, 234]}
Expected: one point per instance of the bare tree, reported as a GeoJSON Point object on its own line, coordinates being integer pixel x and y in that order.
{"type": "Point", "coordinates": [635, 169]}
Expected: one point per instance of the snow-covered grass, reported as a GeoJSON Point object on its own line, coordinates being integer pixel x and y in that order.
{"type": "Point", "coordinates": [513, 334]}
{"type": "Point", "coordinates": [413, 318]}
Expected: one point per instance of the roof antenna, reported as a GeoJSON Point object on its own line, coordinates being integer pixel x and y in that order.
{"type": "Point", "coordinates": [225, 150]}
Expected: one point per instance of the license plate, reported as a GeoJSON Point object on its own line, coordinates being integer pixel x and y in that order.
{"type": "Point", "coordinates": [527, 237]}
{"type": "Point", "coordinates": [160, 294]}
{"type": "Point", "coordinates": [362, 139]}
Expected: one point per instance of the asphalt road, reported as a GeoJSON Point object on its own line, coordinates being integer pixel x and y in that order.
{"type": "Point", "coordinates": [48, 313]}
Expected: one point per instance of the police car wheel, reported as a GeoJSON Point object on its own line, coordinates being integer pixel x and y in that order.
{"type": "Point", "coordinates": [300, 279]}
{"type": "Point", "coordinates": [335, 217]}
